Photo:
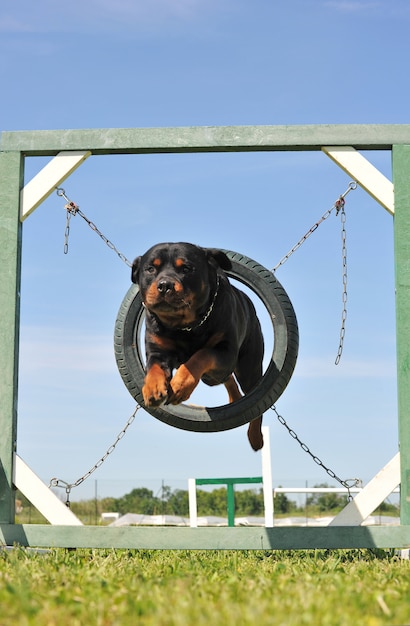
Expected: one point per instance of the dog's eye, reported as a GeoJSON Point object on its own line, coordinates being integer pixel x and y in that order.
{"type": "Point", "coordinates": [187, 269]}
{"type": "Point", "coordinates": [150, 269]}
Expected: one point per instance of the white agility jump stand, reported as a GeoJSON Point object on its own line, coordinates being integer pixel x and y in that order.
{"type": "Point", "coordinates": [371, 496]}
{"type": "Point", "coordinates": [50, 177]}
{"type": "Point", "coordinates": [368, 176]}
{"type": "Point", "coordinates": [265, 479]}
{"type": "Point", "coordinates": [40, 496]}
{"type": "Point", "coordinates": [69, 149]}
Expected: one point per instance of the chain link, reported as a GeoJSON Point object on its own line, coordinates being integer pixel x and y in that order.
{"type": "Point", "coordinates": [348, 483]}
{"type": "Point", "coordinates": [339, 207]}
{"type": "Point", "coordinates": [67, 231]}
{"type": "Point", "coordinates": [344, 282]}
{"type": "Point", "coordinates": [57, 482]}
{"type": "Point", "coordinates": [351, 187]}
{"type": "Point", "coordinates": [72, 209]}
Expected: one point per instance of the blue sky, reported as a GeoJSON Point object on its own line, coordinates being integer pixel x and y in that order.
{"type": "Point", "coordinates": [165, 63]}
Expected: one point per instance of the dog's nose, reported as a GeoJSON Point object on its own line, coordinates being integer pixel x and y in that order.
{"type": "Point", "coordinates": [165, 285]}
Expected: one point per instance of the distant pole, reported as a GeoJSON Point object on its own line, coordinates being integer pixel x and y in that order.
{"type": "Point", "coordinates": [267, 478]}
{"type": "Point", "coordinates": [230, 504]}
{"type": "Point", "coordinates": [306, 503]}
{"type": "Point", "coordinates": [193, 516]}
{"type": "Point", "coordinates": [96, 501]}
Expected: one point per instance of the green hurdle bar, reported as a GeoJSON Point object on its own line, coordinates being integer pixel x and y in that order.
{"type": "Point", "coordinates": [230, 492]}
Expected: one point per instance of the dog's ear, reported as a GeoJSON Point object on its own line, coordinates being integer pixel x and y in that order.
{"type": "Point", "coordinates": [217, 258]}
{"type": "Point", "coordinates": [135, 270]}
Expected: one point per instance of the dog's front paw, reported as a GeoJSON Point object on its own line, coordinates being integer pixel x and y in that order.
{"type": "Point", "coordinates": [155, 388]}
{"type": "Point", "coordinates": [181, 385]}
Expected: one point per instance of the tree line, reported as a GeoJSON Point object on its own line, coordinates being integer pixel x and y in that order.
{"type": "Point", "coordinates": [248, 502]}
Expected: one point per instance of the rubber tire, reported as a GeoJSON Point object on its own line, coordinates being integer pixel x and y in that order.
{"type": "Point", "coordinates": [270, 387]}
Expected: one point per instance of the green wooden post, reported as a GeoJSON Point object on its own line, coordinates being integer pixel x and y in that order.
{"type": "Point", "coordinates": [230, 492]}
{"type": "Point", "coordinates": [401, 180]}
{"type": "Point", "coordinates": [11, 170]}
{"type": "Point", "coordinates": [230, 502]}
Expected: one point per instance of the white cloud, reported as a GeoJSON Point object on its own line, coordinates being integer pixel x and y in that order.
{"type": "Point", "coordinates": [12, 24]}
{"type": "Point", "coordinates": [384, 8]}
{"type": "Point", "coordinates": [348, 368]}
{"type": "Point", "coordinates": [353, 6]}
{"type": "Point", "coordinates": [51, 349]}
{"type": "Point", "coordinates": [78, 16]}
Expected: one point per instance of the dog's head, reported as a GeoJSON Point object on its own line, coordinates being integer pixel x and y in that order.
{"type": "Point", "coordinates": [177, 280]}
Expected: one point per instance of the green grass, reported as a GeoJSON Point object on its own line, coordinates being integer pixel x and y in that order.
{"type": "Point", "coordinates": [195, 588]}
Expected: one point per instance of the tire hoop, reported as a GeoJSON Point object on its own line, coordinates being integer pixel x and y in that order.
{"type": "Point", "coordinates": [270, 387]}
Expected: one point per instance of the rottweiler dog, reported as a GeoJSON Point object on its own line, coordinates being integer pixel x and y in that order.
{"type": "Point", "coordinates": [198, 327]}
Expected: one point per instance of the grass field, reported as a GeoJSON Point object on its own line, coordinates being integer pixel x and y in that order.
{"type": "Point", "coordinates": [194, 588]}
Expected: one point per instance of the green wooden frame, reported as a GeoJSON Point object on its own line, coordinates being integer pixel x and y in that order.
{"type": "Point", "coordinates": [230, 491]}
{"type": "Point", "coordinates": [15, 146]}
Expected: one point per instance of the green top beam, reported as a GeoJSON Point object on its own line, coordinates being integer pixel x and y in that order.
{"type": "Point", "coordinates": [206, 139]}
{"type": "Point", "coordinates": [228, 481]}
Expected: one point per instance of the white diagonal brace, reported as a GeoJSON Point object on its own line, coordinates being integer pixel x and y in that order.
{"type": "Point", "coordinates": [366, 174]}
{"type": "Point", "coordinates": [45, 501]}
{"type": "Point", "coordinates": [371, 496]}
{"type": "Point", "coordinates": [50, 177]}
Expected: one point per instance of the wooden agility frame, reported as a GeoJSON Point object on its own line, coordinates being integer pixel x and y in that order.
{"type": "Point", "coordinates": [69, 149]}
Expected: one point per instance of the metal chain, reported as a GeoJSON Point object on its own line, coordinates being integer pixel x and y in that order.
{"type": "Point", "coordinates": [351, 187]}
{"type": "Point", "coordinates": [67, 229]}
{"type": "Point", "coordinates": [339, 206]}
{"type": "Point", "coordinates": [348, 483]}
{"type": "Point", "coordinates": [57, 482]}
{"type": "Point", "coordinates": [72, 209]}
